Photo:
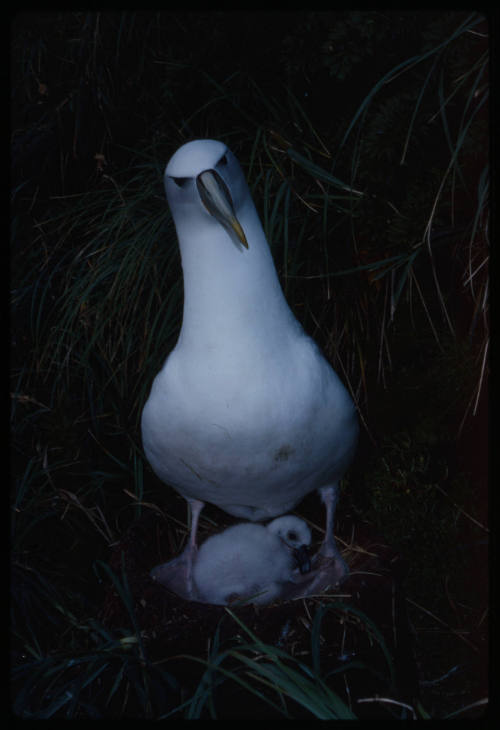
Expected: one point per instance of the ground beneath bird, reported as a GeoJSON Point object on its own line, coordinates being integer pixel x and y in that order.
{"type": "Point", "coordinates": [172, 627]}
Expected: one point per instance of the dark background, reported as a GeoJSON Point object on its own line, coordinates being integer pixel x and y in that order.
{"type": "Point", "coordinates": [100, 101]}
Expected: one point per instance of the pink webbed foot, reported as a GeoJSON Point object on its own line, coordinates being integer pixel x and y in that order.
{"type": "Point", "coordinates": [327, 573]}
{"type": "Point", "coordinates": [177, 574]}
{"type": "Point", "coordinates": [329, 569]}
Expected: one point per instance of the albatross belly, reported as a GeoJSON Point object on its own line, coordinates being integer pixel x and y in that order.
{"type": "Point", "coordinates": [253, 441]}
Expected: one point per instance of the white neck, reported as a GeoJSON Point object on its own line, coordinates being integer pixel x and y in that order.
{"type": "Point", "coordinates": [228, 289]}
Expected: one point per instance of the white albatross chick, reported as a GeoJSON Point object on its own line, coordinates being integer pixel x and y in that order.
{"type": "Point", "coordinates": [250, 562]}
{"type": "Point", "coordinates": [245, 413]}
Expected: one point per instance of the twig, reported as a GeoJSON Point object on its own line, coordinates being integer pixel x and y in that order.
{"type": "Point", "coordinates": [389, 701]}
{"type": "Point", "coordinates": [483, 527]}
{"type": "Point", "coordinates": [443, 623]}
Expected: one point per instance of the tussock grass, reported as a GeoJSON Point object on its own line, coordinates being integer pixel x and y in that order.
{"type": "Point", "coordinates": [377, 214]}
{"type": "Point", "coordinates": [268, 666]}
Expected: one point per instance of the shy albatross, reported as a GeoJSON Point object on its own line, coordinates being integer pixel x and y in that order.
{"type": "Point", "coordinates": [245, 413]}
{"type": "Point", "coordinates": [253, 562]}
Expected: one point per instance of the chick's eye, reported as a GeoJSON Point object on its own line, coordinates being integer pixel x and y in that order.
{"type": "Point", "coordinates": [292, 536]}
{"type": "Point", "coordinates": [180, 181]}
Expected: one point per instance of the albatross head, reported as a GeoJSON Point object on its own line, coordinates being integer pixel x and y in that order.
{"type": "Point", "coordinates": [198, 181]}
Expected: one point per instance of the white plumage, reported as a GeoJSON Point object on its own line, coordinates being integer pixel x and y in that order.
{"type": "Point", "coordinates": [246, 413]}
{"type": "Point", "coordinates": [250, 561]}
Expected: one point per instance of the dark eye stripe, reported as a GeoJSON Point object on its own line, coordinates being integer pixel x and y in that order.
{"type": "Point", "coordinates": [223, 161]}
{"type": "Point", "coordinates": [180, 181]}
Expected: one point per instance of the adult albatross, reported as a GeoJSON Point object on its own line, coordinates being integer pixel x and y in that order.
{"type": "Point", "coordinates": [245, 413]}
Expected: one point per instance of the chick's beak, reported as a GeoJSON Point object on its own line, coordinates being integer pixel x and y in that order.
{"type": "Point", "coordinates": [301, 555]}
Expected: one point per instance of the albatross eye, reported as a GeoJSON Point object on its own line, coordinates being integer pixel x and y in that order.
{"type": "Point", "coordinates": [223, 161]}
{"type": "Point", "coordinates": [180, 181]}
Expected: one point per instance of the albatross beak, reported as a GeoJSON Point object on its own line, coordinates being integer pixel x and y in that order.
{"type": "Point", "coordinates": [302, 559]}
{"type": "Point", "coordinates": [217, 200]}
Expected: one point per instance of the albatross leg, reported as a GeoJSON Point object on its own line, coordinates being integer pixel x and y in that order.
{"type": "Point", "coordinates": [329, 497]}
{"type": "Point", "coordinates": [177, 574]}
{"type": "Point", "coordinates": [329, 567]}
{"type": "Point", "coordinates": [328, 559]}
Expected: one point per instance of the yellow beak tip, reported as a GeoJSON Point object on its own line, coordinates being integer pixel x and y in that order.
{"type": "Point", "coordinates": [240, 232]}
